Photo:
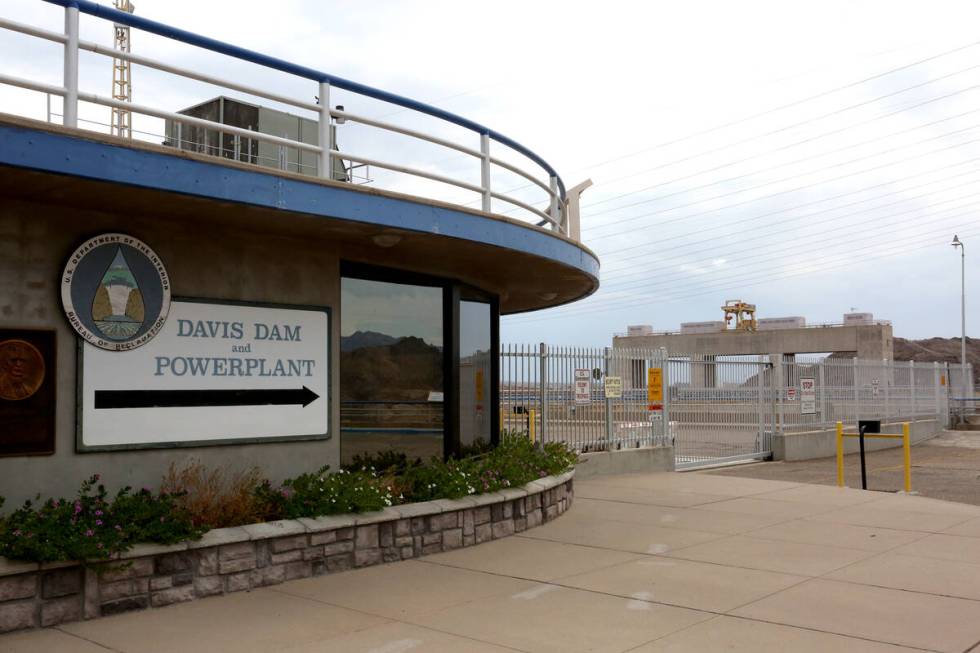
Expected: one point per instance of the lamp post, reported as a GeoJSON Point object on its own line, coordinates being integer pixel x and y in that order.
{"type": "Point", "coordinates": [958, 243]}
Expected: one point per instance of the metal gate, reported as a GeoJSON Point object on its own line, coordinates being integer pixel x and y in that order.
{"type": "Point", "coordinates": [599, 399]}
{"type": "Point", "coordinates": [722, 410]}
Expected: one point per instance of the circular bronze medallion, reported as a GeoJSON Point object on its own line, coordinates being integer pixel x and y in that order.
{"type": "Point", "coordinates": [21, 370]}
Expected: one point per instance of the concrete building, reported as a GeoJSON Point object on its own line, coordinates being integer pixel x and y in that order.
{"type": "Point", "coordinates": [866, 340]}
{"type": "Point", "coordinates": [377, 310]}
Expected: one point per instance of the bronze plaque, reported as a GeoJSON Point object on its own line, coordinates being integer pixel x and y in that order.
{"type": "Point", "coordinates": [27, 392]}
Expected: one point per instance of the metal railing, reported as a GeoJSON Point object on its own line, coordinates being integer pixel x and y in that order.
{"type": "Point", "coordinates": [848, 390]}
{"type": "Point", "coordinates": [558, 211]}
{"type": "Point", "coordinates": [712, 411]}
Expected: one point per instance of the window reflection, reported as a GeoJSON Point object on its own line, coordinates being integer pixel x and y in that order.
{"type": "Point", "coordinates": [391, 369]}
{"type": "Point", "coordinates": [475, 380]}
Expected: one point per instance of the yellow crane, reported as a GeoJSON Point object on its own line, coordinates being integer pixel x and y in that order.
{"type": "Point", "coordinates": [122, 82]}
{"type": "Point", "coordinates": [743, 313]}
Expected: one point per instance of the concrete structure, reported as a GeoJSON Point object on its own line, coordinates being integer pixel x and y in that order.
{"type": "Point", "coordinates": [865, 341]}
{"type": "Point", "coordinates": [646, 460]}
{"type": "Point", "coordinates": [231, 232]}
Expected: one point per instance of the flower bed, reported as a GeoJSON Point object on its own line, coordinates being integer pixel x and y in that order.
{"type": "Point", "coordinates": [240, 558]}
{"type": "Point", "coordinates": [208, 532]}
{"type": "Point", "coordinates": [94, 526]}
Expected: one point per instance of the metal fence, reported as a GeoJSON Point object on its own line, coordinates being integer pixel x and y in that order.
{"type": "Point", "coordinates": [712, 409]}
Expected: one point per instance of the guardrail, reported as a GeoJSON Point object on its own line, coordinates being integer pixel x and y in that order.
{"type": "Point", "coordinates": [559, 214]}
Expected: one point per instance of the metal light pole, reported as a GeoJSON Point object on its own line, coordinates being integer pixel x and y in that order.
{"type": "Point", "coordinates": [958, 243]}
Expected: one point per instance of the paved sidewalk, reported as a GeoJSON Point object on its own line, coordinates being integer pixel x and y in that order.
{"type": "Point", "coordinates": [644, 563]}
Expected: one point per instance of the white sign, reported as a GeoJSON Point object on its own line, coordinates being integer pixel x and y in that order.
{"type": "Point", "coordinates": [808, 396]}
{"type": "Point", "coordinates": [614, 387]}
{"type": "Point", "coordinates": [791, 394]}
{"type": "Point", "coordinates": [583, 386]}
{"type": "Point", "coordinates": [214, 373]}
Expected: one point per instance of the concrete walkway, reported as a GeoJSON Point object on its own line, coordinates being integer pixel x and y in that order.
{"type": "Point", "coordinates": [642, 563]}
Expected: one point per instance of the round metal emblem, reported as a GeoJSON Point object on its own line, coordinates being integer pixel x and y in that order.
{"type": "Point", "coordinates": [21, 370]}
{"type": "Point", "coordinates": [116, 292]}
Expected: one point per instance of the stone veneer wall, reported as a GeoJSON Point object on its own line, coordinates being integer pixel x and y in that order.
{"type": "Point", "coordinates": [241, 558]}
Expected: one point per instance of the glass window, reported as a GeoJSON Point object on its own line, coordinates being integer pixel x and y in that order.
{"type": "Point", "coordinates": [475, 379]}
{"type": "Point", "coordinates": [391, 369]}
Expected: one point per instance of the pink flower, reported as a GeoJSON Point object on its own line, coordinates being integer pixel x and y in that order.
{"type": "Point", "coordinates": [96, 477]}
{"type": "Point", "coordinates": [99, 545]}
{"type": "Point", "coordinates": [98, 513]}
{"type": "Point", "coordinates": [78, 507]}
{"type": "Point", "coordinates": [89, 533]}
{"type": "Point", "coordinates": [98, 522]}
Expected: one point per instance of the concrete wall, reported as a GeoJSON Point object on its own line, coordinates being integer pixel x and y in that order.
{"type": "Point", "coordinates": [203, 261]}
{"type": "Point", "coordinates": [823, 444]}
{"type": "Point", "coordinates": [625, 461]}
{"type": "Point", "coordinates": [867, 342]}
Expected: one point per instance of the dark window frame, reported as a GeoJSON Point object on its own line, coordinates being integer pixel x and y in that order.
{"type": "Point", "coordinates": [452, 293]}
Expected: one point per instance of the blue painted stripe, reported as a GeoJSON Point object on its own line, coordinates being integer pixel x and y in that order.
{"type": "Point", "coordinates": [37, 149]}
{"type": "Point", "coordinates": [191, 38]}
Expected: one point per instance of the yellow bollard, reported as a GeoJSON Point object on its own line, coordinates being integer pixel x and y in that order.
{"type": "Point", "coordinates": [840, 454]}
{"type": "Point", "coordinates": [907, 446]}
{"type": "Point", "coordinates": [531, 425]}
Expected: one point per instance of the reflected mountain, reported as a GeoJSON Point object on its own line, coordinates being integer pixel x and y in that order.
{"type": "Point", "coordinates": [378, 367]}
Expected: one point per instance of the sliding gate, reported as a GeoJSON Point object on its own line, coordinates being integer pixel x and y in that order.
{"type": "Point", "coordinates": [600, 399]}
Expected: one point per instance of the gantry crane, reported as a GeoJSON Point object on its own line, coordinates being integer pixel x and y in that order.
{"type": "Point", "coordinates": [122, 83]}
{"type": "Point", "coordinates": [743, 313]}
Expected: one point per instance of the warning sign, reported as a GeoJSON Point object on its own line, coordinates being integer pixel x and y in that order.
{"type": "Point", "coordinates": [655, 388]}
{"type": "Point", "coordinates": [583, 386]}
{"type": "Point", "coordinates": [614, 387]}
{"type": "Point", "coordinates": [808, 396]}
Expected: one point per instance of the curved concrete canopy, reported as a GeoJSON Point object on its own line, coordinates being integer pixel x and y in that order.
{"type": "Point", "coordinates": [529, 267]}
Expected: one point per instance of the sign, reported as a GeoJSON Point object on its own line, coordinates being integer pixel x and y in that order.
{"type": "Point", "coordinates": [115, 292]}
{"type": "Point", "coordinates": [583, 387]}
{"type": "Point", "coordinates": [874, 387]}
{"type": "Point", "coordinates": [614, 387]}
{"type": "Point", "coordinates": [808, 396]}
{"type": "Point", "coordinates": [27, 391]}
{"type": "Point", "coordinates": [655, 388]}
{"type": "Point", "coordinates": [215, 373]}
{"type": "Point", "coordinates": [791, 394]}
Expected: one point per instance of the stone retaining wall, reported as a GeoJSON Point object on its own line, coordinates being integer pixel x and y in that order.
{"type": "Point", "coordinates": [241, 558]}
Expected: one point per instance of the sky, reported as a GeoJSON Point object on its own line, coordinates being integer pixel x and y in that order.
{"type": "Point", "coordinates": [812, 158]}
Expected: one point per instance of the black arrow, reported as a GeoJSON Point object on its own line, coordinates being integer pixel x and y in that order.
{"type": "Point", "coordinates": [189, 398]}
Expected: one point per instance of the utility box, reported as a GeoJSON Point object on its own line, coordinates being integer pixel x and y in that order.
{"type": "Point", "coordinates": [252, 117]}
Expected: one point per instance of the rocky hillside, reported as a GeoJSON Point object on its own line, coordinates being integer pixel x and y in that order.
{"type": "Point", "coordinates": [943, 350]}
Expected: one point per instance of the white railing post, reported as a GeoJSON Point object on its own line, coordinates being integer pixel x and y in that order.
{"type": "Point", "coordinates": [543, 390]}
{"type": "Point", "coordinates": [70, 111]}
{"type": "Point", "coordinates": [857, 391]}
{"type": "Point", "coordinates": [485, 171]}
{"type": "Point", "coordinates": [324, 133]}
{"type": "Point", "coordinates": [554, 209]}
{"type": "Point", "coordinates": [824, 419]}
{"type": "Point", "coordinates": [935, 387]}
{"type": "Point", "coordinates": [912, 387]}
{"type": "Point", "coordinates": [889, 374]}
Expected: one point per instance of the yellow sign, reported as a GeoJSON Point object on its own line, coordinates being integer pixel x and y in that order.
{"type": "Point", "coordinates": [942, 379]}
{"type": "Point", "coordinates": [655, 387]}
{"type": "Point", "coordinates": [479, 385]}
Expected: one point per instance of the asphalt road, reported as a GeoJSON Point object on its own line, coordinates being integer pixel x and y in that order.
{"type": "Point", "coordinates": [945, 467]}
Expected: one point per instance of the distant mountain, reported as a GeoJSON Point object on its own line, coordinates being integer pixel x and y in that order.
{"type": "Point", "coordinates": [942, 350]}
{"type": "Point", "coordinates": [360, 339]}
{"type": "Point", "coordinates": [407, 369]}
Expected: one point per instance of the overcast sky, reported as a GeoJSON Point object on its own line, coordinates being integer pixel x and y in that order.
{"type": "Point", "coordinates": [812, 158]}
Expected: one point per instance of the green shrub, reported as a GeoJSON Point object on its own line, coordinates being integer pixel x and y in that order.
{"type": "Point", "coordinates": [92, 526]}
{"type": "Point", "coordinates": [320, 493]}
{"type": "Point", "coordinates": [385, 462]}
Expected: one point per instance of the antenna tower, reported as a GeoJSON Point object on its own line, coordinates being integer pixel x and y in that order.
{"type": "Point", "coordinates": [122, 82]}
